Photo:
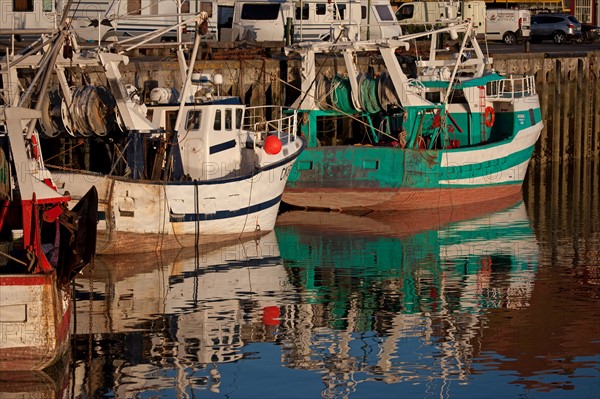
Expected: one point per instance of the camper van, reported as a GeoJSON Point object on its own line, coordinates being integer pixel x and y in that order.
{"type": "Point", "coordinates": [94, 20]}
{"type": "Point", "coordinates": [425, 12]}
{"type": "Point", "coordinates": [260, 20]}
{"type": "Point", "coordinates": [508, 25]}
{"type": "Point", "coordinates": [228, 20]}
{"type": "Point", "coordinates": [312, 20]}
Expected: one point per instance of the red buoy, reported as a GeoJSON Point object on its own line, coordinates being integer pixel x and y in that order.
{"type": "Point", "coordinates": [272, 145]}
{"type": "Point", "coordinates": [270, 315]}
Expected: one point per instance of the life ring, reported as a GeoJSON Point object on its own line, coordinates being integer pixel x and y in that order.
{"type": "Point", "coordinates": [490, 116]}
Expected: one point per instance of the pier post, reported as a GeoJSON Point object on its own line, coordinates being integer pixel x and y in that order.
{"type": "Point", "coordinates": [544, 90]}
{"type": "Point", "coordinates": [580, 110]}
{"type": "Point", "coordinates": [556, 113]}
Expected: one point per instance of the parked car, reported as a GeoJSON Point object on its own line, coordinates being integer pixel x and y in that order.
{"type": "Point", "coordinates": [589, 33]}
{"type": "Point", "coordinates": [561, 28]}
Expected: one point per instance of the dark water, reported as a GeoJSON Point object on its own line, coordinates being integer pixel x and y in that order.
{"type": "Point", "coordinates": [496, 302]}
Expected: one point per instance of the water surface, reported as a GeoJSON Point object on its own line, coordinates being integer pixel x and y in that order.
{"type": "Point", "coordinates": [496, 301]}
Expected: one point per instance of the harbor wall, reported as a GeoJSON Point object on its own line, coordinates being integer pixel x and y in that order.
{"type": "Point", "coordinates": [568, 85]}
{"type": "Point", "coordinates": [569, 88]}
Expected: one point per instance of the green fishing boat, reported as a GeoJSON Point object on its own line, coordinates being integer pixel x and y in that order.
{"type": "Point", "coordinates": [401, 131]}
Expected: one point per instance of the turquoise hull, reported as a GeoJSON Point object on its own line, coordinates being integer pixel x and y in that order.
{"type": "Point", "coordinates": [384, 177]}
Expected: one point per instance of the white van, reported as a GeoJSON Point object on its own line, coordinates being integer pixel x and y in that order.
{"type": "Point", "coordinates": [425, 12]}
{"type": "Point", "coordinates": [508, 26]}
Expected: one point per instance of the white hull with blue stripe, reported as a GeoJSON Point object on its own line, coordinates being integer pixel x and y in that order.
{"type": "Point", "coordinates": [185, 168]}
{"type": "Point", "coordinates": [138, 215]}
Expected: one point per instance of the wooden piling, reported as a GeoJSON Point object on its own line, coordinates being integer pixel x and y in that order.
{"type": "Point", "coordinates": [556, 113]}
{"type": "Point", "coordinates": [544, 92]}
{"type": "Point", "coordinates": [579, 107]}
{"type": "Point", "coordinates": [596, 110]}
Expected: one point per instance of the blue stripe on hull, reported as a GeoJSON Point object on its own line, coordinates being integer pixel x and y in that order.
{"type": "Point", "coordinates": [193, 217]}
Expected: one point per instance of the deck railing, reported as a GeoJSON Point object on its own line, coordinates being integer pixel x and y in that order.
{"type": "Point", "coordinates": [512, 87]}
{"type": "Point", "coordinates": [271, 119]}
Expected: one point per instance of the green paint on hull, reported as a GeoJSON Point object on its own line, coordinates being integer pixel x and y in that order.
{"type": "Point", "coordinates": [389, 168]}
{"type": "Point", "coordinates": [382, 167]}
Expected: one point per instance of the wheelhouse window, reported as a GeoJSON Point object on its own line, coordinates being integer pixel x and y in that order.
{"type": "Point", "coordinates": [260, 11]}
{"type": "Point", "coordinates": [321, 9]}
{"type": "Point", "coordinates": [47, 5]}
{"type": "Point", "coordinates": [193, 120]}
{"type": "Point", "coordinates": [228, 119]}
{"type": "Point", "coordinates": [23, 5]}
{"type": "Point", "coordinates": [363, 12]}
{"type": "Point", "coordinates": [239, 113]}
{"type": "Point", "coordinates": [217, 124]}
{"type": "Point", "coordinates": [302, 13]}
{"type": "Point", "coordinates": [385, 13]}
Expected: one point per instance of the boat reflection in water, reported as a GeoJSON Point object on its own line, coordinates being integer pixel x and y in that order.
{"type": "Point", "coordinates": [51, 383]}
{"type": "Point", "coordinates": [327, 304]}
{"type": "Point", "coordinates": [173, 317]}
{"type": "Point", "coordinates": [400, 297]}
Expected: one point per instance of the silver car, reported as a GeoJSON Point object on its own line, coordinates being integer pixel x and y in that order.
{"type": "Point", "coordinates": [561, 28]}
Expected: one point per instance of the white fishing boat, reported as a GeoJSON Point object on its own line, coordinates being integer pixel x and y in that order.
{"type": "Point", "coordinates": [220, 181]}
{"type": "Point", "coordinates": [187, 168]}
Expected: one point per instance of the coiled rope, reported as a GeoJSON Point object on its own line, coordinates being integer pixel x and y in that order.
{"type": "Point", "coordinates": [368, 94]}
{"type": "Point", "coordinates": [341, 95]}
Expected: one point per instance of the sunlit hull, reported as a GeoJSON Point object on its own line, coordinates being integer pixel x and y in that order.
{"type": "Point", "coordinates": [34, 321]}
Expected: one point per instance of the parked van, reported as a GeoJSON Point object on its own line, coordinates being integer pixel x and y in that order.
{"type": "Point", "coordinates": [508, 26]}
{"type": "Point", "coordinates": [421, 12]}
